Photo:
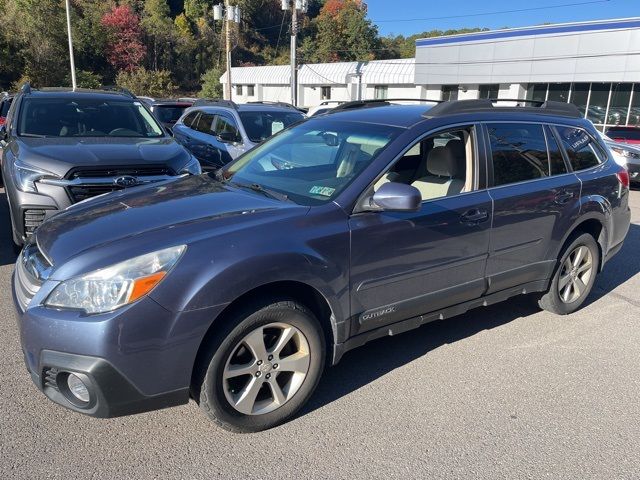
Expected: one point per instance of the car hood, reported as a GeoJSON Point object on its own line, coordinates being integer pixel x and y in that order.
{"type": "Point", "coordinates": [59, 155]}
{"type": "Point", "coordinates": [193, 205]}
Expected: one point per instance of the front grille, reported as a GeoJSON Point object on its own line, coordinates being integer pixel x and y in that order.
{"type": "Point", "coordinates": [634, 170]}
{"type": "Point", "coordinates": [84, 183]}
{"type": "Point", "coordinates": [118, 172]}
{"type": "Point", "coordinates": [79, 193]}
{"type": "Point", "coordinates": [32, 220]}
{"type": "Point", "coordinates": [30, 267]}
{"type": "Point", "coordinates": [49, 377]}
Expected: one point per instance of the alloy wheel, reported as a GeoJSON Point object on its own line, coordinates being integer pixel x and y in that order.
{"type": "Point", "coordinates": [266, 368]}
{"type": "Point", "coordinates": [575, 274]}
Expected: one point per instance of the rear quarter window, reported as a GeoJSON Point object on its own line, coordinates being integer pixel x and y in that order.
{"type": "Point", "coordinates": [582, 150]}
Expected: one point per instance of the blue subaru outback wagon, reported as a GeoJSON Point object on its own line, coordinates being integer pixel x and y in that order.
{"type": "Point", "coordinates": [235, 288]}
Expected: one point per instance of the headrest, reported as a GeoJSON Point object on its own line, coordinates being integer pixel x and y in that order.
{"type": "Point", "coordinates": [446, 161]}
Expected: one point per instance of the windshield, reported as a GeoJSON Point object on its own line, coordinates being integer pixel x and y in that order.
{"type": "Point", "coordinates": [312, 162]}
{"type": "Point", "coordinates": [60, 117]}
{"type": "Point", "coordinates": [261, 125]}
{"type": "Point", "coordinates": [170, 113]}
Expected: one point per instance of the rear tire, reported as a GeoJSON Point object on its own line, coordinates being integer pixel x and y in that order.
{"type": "Point", "coordinates": [574, 276]}
{"type": "Point", "coordinates": [265, 367]}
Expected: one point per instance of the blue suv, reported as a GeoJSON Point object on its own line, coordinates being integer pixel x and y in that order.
{"type": "Point", "coordinates": [236, 288]}
{"type": "Point", "coordinates": [218, 131]}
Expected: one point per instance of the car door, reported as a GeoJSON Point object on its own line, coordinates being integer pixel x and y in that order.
{"type": "Point", "coordinates": [204, 144]}
{"type": "Point", "coordinates": [404, 264]}
{"type": "Point", "coordinates": [229, 150]}
{"type": "Point", "coordinates": [535, 196]}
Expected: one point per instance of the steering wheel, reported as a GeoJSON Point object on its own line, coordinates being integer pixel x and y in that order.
{"type": "Point", "coordinates": [123, 132]}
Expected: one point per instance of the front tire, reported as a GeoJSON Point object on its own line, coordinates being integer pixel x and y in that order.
{"type": "Point", "coordinates": [260, 373]}
{"type": "Point", "coordinates": [574, 276]}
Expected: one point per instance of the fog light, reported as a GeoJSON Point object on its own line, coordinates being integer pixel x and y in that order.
{"type": "Point", "coordinates": [77, 388]}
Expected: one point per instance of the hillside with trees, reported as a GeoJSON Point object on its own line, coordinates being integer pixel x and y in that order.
{"type": "Point", "coordinates": [162, 47]}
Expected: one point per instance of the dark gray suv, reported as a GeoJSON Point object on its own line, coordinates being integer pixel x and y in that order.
{"type": "Point", "coordinates": [61, 146]}
{"type": "Point", "coordinates": [235, 289]}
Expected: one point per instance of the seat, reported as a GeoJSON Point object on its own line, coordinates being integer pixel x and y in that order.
{"type": "Point", "coordinates": [445, 171]}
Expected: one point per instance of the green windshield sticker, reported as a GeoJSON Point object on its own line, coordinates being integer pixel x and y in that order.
{"type": "Point", "coordinates": [324, 191]}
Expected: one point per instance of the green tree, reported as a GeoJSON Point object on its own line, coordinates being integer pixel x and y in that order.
{"type": "Point", "coordinates": [211, 86]}
{"type": "Point", "coordinates": [37, 28]}
{"type": "Point", "coordinates": [159, 27]}
{"type": "Point", "coordinates": [147, 82]}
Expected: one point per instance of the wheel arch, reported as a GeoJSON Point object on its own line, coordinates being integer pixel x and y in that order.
{"type": "Point", "coordinates": [593, 224]}
{"type": "Point", "coordinates": [298, 291]}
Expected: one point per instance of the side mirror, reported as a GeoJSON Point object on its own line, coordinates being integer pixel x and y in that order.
{"type": "Point", "coordinates": [228, 137]}
{"type": "Point", "coordinates": [397, 197]}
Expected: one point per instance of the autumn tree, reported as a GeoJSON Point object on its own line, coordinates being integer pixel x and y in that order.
{"type": "Point", "coordinates": [125, 49]}
{"type": "Point", "coordinates": [344, 33]}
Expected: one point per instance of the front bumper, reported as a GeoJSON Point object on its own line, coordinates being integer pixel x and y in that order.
{"type": "Point", "coordinates": [634, 172]}
{"type": "Point", "coordinates": [111, 394]}
{"type": "Point", "coordinates": [135, 359]}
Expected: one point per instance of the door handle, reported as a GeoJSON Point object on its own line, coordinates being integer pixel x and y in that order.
{"type": "Point", "coordinates": [563, 197]}
{"type": "Point", "coordinates": [475, 216]}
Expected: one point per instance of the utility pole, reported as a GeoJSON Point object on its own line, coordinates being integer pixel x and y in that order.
{"type": "Point", "coordinates": [296, 5]}
{"type": "Point", "coordinates": [228, 17]}
{"type": "Point", "coordinates": [293, 55]}
{"type": "Point", "coordinates": [230, 14]}
{"type": "Point", "coordinates": [71, 58]}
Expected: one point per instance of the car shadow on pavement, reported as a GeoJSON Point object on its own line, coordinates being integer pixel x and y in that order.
{"type": "Point", "coordinates": [7, 255]}
{"type": "Point", "coordinates": [364, 365]}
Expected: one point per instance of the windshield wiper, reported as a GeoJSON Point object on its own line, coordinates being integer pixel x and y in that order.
{"type": "Point", "coordinates": [256, 187]}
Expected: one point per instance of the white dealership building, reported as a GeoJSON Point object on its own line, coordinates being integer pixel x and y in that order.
{"type": "Point", "coordinates": [595, 65]}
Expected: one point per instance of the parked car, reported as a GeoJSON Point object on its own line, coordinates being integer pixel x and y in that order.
{"type": "Point", "coordinates": [235, 288]}
{"type": "Point", "coordinates": [62, 146]}
{"type": "Point", "coordinates": [624, 134]}
{"type": "Point", "coordinates": [324, 107]}
{"type": "Point", "coordinates": [5, 104]}
{"type": "Point", "coordinates": [217, 131]}
{"type": "Point", "coordinates": [626, 155]}
{"type": "Point", "coordinates": [167, 111]}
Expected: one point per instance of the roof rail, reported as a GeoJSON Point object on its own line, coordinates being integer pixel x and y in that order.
{"type": "Point", "coordinates": [276, 104]}
{"type": "Point", "coordinates": [488, 105]}
{"type": "Point", "coordinates": [214, 102]}
{"type": "Point", "coordinates": [378, 102]}
{"type": "Point", "coordinates": [115, 88]}
{"type": "Point", "coordinates": [26, 88]}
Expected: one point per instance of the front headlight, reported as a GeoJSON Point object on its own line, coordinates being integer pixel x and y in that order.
{"type": "Point", "coordinates": [26, 176]}
{"type": "Point", "coordinates": [109, 288]}
{"type": "Point", "coordinates": [625, 153]}
{"type": "Point", "coordinates": [192, 168]}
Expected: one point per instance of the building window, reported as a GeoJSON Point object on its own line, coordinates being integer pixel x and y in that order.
{"type": "Point", "coordinates": [489, 91]}
{"type": "Point", "coordinates": [381, 92]}
{"type": "Point", "coordinates": [251, 91]}
{"type": "Point", "coordinates": [238, 89]}
{"type": "Point", "coordinates": [449, 92]}
{"type": "Point", "coordinates": [325, 93]}
{"type": "Point", "coordinates": [580, 96]}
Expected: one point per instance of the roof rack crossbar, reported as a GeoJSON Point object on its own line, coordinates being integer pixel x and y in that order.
{"type": "Point", "coordinates": [266, 102]}
{"type": "Point", "coordinates": [213, 102]}
{"type": "Point", "coordinates": [488, 105]}
{"type": "Point", "coordinates": [377, 102]}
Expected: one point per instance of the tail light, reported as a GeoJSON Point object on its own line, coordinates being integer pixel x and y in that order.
{"type": "Point", "coordinates": [623, 177]}
{"type": "Point", "coordinates": [2, 120]}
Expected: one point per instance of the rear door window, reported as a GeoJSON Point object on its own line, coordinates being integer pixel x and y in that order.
{"type": "Point", "coordinates": [518, 152]}
{"type": "Point", "coordinates": [581, 149]}
{"type": "Point", "coordinates": [204, 123]}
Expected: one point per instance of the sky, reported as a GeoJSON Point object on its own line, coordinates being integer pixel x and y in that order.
{"type": "Point", "coordinates": [414, 16]}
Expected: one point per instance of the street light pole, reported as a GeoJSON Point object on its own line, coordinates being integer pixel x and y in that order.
{"type": "Point", "coordinates": [71, 58]}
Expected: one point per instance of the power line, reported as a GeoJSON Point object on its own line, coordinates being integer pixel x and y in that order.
{"type": "Point", "coordinates": [481, 14]}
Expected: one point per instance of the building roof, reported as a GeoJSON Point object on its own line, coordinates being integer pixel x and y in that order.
{"type": "Point", "coordinates": [559, 28]}
{"type": "Point", "coordinates": [393, 72]}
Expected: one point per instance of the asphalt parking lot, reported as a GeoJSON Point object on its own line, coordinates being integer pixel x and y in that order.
{"type": "Point", "coordinates": [507, 391]}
